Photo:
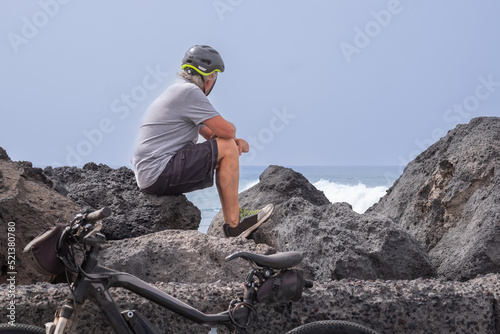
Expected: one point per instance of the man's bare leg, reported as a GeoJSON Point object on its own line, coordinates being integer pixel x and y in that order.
{"type": "Point", "coordinates": [227, 180]}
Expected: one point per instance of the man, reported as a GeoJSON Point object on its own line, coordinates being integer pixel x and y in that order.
{"type": "Point", "coordinates": [168, 161]}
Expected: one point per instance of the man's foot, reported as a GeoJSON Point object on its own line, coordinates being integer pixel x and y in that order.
{"type": "Point", "coordinates": [250, 221]}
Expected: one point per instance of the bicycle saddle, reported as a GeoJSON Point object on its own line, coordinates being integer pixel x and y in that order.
{"type": "Point", "coordinates": [275, 261]}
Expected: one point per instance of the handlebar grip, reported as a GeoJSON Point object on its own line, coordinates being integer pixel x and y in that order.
{"type": "Point", "coordinates": [99, 214]}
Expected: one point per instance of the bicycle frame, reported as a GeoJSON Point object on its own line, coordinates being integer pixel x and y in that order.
{"type": "Point", "coordinates": [94, 281]}
{"type": "Point", "coordinates": [96, 289]}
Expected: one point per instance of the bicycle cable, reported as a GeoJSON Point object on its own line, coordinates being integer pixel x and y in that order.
{"type": "Point", "coordinates": [73, 267]}
{"type": "Point", "coordinates": [252, 317]}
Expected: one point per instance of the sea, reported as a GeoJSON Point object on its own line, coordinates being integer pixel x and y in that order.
{"type": "Point", "coordinates": [360, 186]}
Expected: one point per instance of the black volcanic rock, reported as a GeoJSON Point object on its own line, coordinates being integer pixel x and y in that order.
{"type": "Point", "coordinates": [3, 154]}
{"type": "Point", "coordinates": [28, 206]}
{"type": "Point", "coordinates": [336, 241]}
{"type": "Point", "coordinates": [276, 185]}
{"type": "Point", "coordinates": [449, 199]}
{"type": "Point", "coordinates": [389, 307]}
{"type": "Point", "coordinates": [134, 212]}
{"type": "Point", "coordinates": [180, 256]}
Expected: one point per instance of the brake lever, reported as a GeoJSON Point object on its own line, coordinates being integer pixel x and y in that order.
{"type": "Point", "coordinates": [87, 223]}
{"type": "Point", "coordinates": [97, 228]}
{"type": "Point", "coordinates": [76, 226]}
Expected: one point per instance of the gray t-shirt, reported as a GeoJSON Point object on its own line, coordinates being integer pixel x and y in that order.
{"type": "Point", "coordinates": [170, 123]}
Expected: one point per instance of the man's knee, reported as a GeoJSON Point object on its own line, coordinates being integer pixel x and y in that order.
{"type": "Point", "coordinates": [227, 147]}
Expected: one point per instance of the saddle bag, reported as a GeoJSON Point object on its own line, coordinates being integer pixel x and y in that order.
{"type": "Point", "coordinates": [288, 285]}
{"type": "Point", "coordinates": [43, 253]}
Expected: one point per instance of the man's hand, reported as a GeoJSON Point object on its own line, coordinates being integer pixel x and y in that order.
{"type": "Point", "coordinates": [243, 146]}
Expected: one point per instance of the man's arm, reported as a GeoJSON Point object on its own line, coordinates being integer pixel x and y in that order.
{"type": "Point", "coordinates": [206, 133]}
{"type": "Point", "coordinates": [220, 128]}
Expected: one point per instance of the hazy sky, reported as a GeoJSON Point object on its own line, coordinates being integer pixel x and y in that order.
{"type": "Point", "coordinates": [306, 82]}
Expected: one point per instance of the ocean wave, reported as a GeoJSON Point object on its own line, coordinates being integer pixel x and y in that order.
{"type": "Point", "coordinates": [247, 184]}
{"type": "Point", "coordinates": [359, 196]}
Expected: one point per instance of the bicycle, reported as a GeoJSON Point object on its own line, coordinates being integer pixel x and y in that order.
{"type": "Point", "coordinates": [271, 279]}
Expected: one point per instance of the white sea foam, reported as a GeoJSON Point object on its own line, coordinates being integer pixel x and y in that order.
{"type": "Point", "coordinates": [248, 184]}
{"type": "Point", "coordinates": [359, 196]}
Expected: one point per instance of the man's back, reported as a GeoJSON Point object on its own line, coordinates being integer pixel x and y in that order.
{"type": "Point", "coordinates": [171, 122]}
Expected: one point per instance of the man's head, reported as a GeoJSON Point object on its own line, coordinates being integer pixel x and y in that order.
{"type": "Point", "coordinates": [205, 62]}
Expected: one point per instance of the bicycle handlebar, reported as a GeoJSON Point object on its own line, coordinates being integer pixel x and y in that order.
{"type": "Point", "coordinates": [99, 214]}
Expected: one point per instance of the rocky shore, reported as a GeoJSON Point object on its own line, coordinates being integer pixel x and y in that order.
{"type": "Point", "coordinates": [424, 259]}
{"type": "Point", "coordinates": [416, 306]}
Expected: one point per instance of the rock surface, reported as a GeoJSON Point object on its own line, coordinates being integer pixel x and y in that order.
{"type": "Point", "coordinates": [134, 212]}
{"type": "Point", "coordinates": [336, 241]}
{"type": "Point", "coordinates": [409, 307]}
{"type": "Point", "coordinates": [449, 199]}
{"type": "Point", "coordinates": [28, 206]}
{"type": "Point", "coordinates": [180, 256]}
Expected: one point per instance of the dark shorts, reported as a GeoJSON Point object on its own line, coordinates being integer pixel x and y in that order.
{"type": "Point", "coordinates": [192, 168]}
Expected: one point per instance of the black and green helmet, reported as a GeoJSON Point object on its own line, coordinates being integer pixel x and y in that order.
{"type": "Point", "coordinates": [203, 59]}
